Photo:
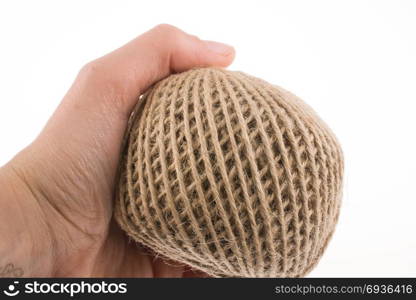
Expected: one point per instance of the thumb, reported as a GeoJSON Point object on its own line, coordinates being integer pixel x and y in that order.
{"type": "Point", "coordinates": [89, 124]}
{"type": "Point", "coordinates": [131, 69]}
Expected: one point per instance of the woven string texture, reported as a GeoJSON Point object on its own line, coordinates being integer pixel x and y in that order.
{"type": "Point", "coordinates": [229, 175]}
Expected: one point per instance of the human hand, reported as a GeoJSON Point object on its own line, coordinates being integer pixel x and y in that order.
{"type": "Point", "coordinates": [56, 196]}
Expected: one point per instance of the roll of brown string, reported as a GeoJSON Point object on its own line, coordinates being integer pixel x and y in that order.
{"type": "Point", "coordinates": [230, 175]}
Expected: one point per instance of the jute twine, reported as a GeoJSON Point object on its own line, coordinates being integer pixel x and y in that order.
{"type": "Point", "coordinates": [229, 175]}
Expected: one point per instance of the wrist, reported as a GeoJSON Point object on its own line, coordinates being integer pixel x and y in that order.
{"type": "Point", "coordinates": [25, 239]}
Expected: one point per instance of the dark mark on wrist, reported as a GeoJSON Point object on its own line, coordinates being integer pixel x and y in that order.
{"type": "Point", "coordinates": [10, 270]}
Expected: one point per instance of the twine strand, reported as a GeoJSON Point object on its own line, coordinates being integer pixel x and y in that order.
{"type": "Point", "coordinates": [229, 175]}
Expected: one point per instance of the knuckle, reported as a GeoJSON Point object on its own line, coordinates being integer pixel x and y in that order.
{"type": "Point", "coordinates": [167, 32]}
{"type": "Point", "coordinates": [165, 28]}
{"type": "Point", "coordinates": [104, 80]}
{"type": "Point", "coordinates": [194, 38]}
{"type": "Point", "coordinates": [90, 69]}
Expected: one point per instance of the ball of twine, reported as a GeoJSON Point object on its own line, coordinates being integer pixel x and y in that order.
{"type": "Point", "coordinates": [230, 175]}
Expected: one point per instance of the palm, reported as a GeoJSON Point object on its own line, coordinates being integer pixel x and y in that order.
{"type": "Point", "coordinates": [84, 214]}
{"type": "Point", "coordinates": [81, 217]}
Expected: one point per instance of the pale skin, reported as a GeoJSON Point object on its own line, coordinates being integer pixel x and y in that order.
{"type": "Point", "coordinates": [57, 194]}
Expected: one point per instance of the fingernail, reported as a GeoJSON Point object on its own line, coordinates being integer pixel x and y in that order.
{"type": "Point", "coordinates": [219, 48]}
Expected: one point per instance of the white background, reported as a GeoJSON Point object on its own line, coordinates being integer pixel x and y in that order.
{"type": "Point", "coordinates": [353, 61]}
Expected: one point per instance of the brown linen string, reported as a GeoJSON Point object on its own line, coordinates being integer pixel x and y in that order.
{"type": "Point", "coordinates": [229, 175]}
